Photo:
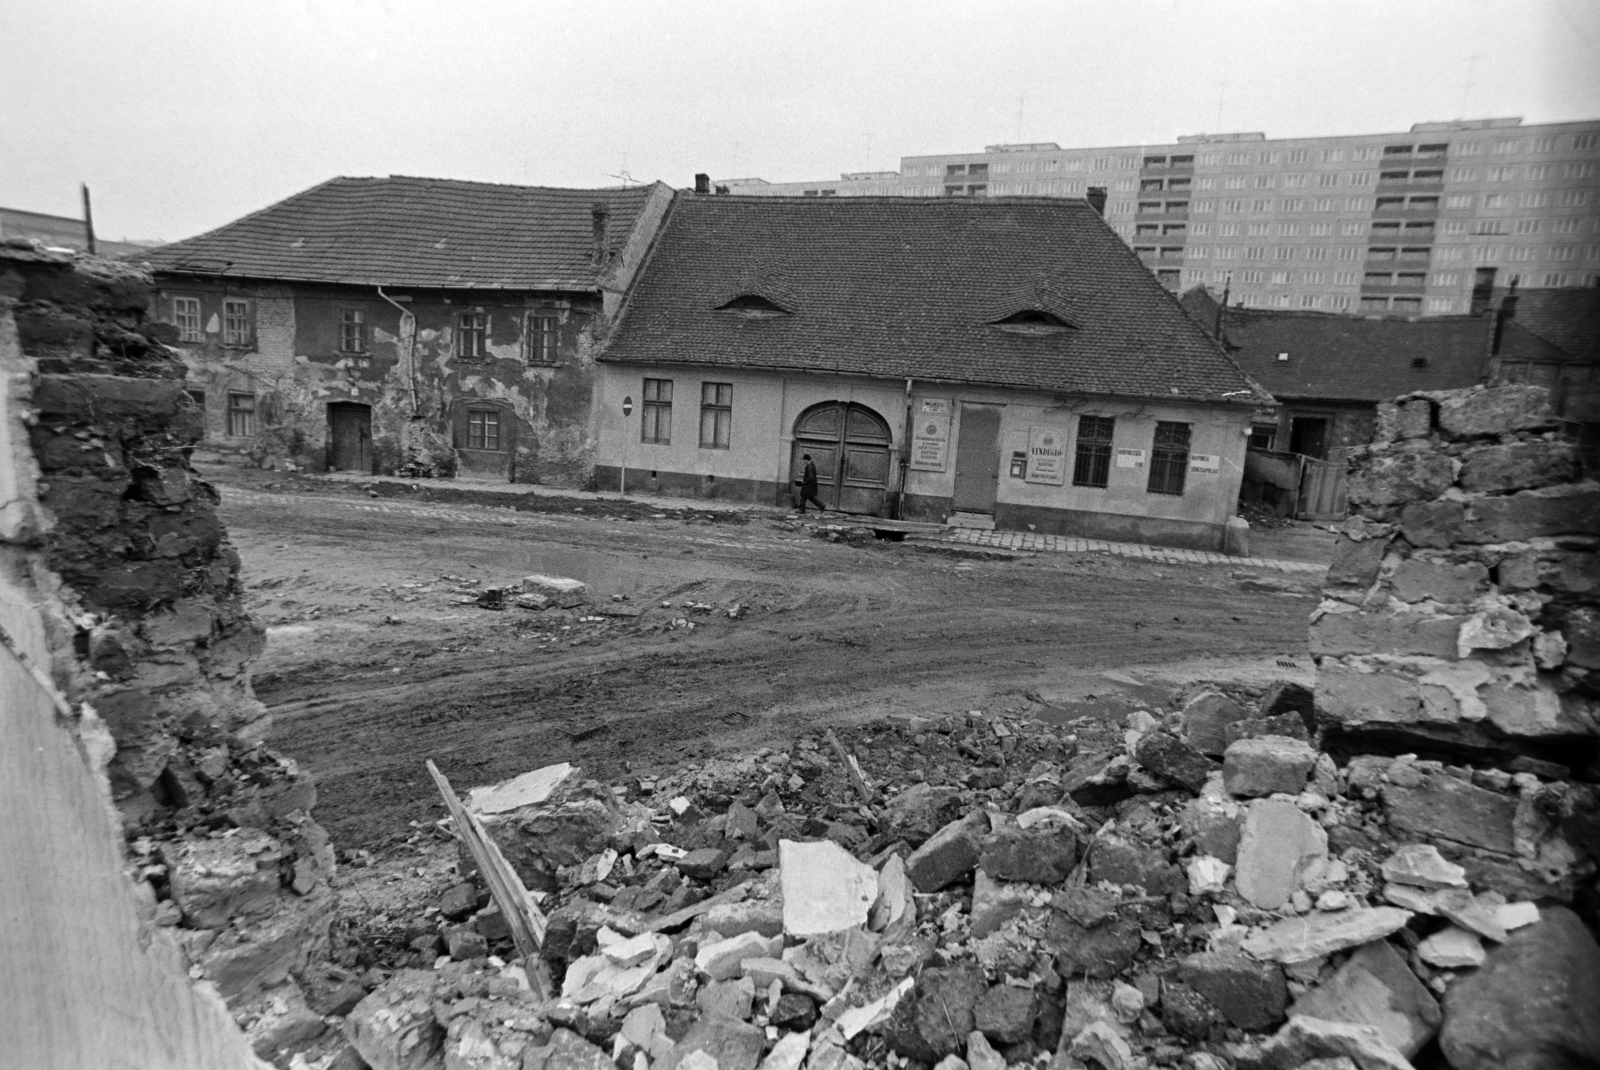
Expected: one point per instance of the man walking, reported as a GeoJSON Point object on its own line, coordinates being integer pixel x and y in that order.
{"type": "Point", "coordinates": [808, 486]}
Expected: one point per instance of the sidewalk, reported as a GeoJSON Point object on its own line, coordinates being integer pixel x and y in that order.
{"type": "Point", "coordinates": [1017, 541]}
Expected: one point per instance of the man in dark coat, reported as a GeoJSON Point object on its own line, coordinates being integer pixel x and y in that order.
{"type": "Point", "coordinates": [808, 486]}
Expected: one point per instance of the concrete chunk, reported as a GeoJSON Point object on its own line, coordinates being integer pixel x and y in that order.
{"type": "Point", "coordinates": [1376, 988]}
{"type": "Point", "coordinates": [1420, 865]}
{"type": "Point", "coordinates": [949, 854]}
{"type": "Point", "coordinates": [1266, 766]}
{"type": "Point", "coordinates": [1279, 846]}
{"type": "Point", "coordinates": [724, 959]}
{"type": "Point", "coordinates": [824, 888]}
{"type": "Point", "coordinates": [1452, 949]}
{"type": "Point", "coordinates": [1305, 1039]}
{"type": "Point", "coordinates": [1302, 939]}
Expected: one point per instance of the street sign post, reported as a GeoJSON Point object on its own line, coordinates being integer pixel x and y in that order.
{"type": "Point", "coordinates": [627, 410]}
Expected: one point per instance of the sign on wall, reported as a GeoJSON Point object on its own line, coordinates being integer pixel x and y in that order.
{"type": "Point", "coordinates": [1130, 458]}
{"type": "Point", "coordinates": [930, 435]}
{"type": "Point", "coordinates": [1047, 455]}
{"type": "Point", "coordinates": [1208, 463]}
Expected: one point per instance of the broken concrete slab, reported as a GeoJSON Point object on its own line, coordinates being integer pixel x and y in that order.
{"type": "Point", "coordinates": [949, 854]}
{"type": "Point", "coordinates": [1452, 948]}
{"type": "Point", "coordinates": [1279, 845]}
{"type": "Point", "coordinates": [1301, 939]}
{"type": "Point", "coordinates": [1435, 805]}
{"type": "Point", "coordinates": [1532, 999]}
{"type": "Point", "coordinates": [894, 912]}
{"type": "Point", "coordinates": [1304, 1039]}
{"type": "Point", "coordinates": [824, 888]}
{"type": "Point", "coordinates": [1478, 914]}
{"type": "Point", "coordinates": [1174, 760]}
{"type": "Point", "coordinates": [722, 960]}
{"type": "Point", "coordinates": [1040, 855]}
{"type": "Point", "coordinates": [1420, 865]}
{"type": "Point", "coordinates": [545, 819]}
{"type": "Point", "coordinates": [394, 1027]}
{"type": "Point", "coordinates": [1267, 765]}
{"type": "Point", "coordinates": [560, 590]}
{"type": "Point", "coordinates": [1375, 987]}
{"type": "Point", "coordinates": [1250, 994]}
{"type": "Point", "coordinates": [735, 1045]}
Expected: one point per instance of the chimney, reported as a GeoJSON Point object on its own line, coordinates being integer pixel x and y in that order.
{"type": "Point", "coordinates": [1508, 311]}
{"type": "Point", "coordinates": [1096, 196]}
{"type": "Point", "coordinates": [702, 184]}
{"type": "Point", "coordinates": [602, 232]}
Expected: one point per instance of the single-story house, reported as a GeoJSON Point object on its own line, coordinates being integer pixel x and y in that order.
{"type": "Point", "coordinates": [414, 325]}
{"type": "Point", "coordinates": [1004, 362]}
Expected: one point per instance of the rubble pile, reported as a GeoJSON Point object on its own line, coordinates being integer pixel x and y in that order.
{"type": "Point", "coordinates": [141, 589]}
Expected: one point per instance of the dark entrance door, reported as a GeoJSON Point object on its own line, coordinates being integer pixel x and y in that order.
{"type": "Point", "coordinates": [1308, 435]}
{"type": "Point", "coordinates": [349, 437]}
{"type": "Point", "coordinates": [977, 460]}
{"type": "Point", "coordinates": [849, 444]}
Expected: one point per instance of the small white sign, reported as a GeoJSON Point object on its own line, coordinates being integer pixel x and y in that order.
{"type": "Point", "coordinates": [1130, 458]}
{"type": "Point", "coordinates": [1205, 462]}
{"type": "Point", "coordinates": [930, 436]}
{"type": "Point", "coordinates": [1047, 455]}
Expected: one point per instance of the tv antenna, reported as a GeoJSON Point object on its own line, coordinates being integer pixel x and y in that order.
{"type": "Point", "coordinates": [623, 175]}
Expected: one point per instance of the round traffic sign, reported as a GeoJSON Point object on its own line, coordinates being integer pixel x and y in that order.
{"type": "Point", "coordinates": [627, 406]}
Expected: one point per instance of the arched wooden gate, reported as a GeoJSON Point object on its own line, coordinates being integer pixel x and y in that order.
{"type": "Point", "coordinates": [849, 444]}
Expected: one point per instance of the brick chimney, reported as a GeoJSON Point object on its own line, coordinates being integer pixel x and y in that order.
{"type": "Point", "coordinates": [602, 232]}
{"type": "Point", "coordinates": [1096, 196]}
{"type": "Point", "coordinates": [1506, 313]}
{"type": "Point", "coordinates": [702, 184]}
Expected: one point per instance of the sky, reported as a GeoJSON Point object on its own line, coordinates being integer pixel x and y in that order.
{"type": "Point", "coordinates": [182, 115]}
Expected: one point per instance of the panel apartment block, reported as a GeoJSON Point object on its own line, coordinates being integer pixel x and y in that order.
{"type": "Point", "coordinates": [1406, 223]}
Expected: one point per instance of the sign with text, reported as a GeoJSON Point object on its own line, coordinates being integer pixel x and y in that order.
{"type": "Point", "coordinates": [930, 435]}
{"type": "Point", "coordinates": [1130, 458]}
{"type": "Point", "coordinates": [1047, 455]}
{"type": "Point", "coordinates": [1208, 463]}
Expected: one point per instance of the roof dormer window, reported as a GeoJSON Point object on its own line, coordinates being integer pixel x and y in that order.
{"type": "Point", "coordinates": [754, 306]}
{"type": "Point", "coordinates": [1033, 321]}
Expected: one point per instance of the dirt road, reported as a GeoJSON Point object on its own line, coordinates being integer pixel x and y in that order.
{"type": "Point", "coordinates": [373, 663]}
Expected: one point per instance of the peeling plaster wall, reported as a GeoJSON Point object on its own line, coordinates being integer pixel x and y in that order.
{"type": "Point", "coordinates": [419, 392]}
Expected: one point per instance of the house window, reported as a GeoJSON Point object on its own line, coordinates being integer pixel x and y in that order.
{"type": "Point", "coordinates": [716, 415]}
{"type": "Point", "coordinates": [1169, 458]}
{"type": "Point", "coordinates": [472, 335]}
{"type": "Point", "coordinates": [186, 314]}
{"type": "Point", "coordinates": [241, 415]}
{"type": "Point", "coordinates": [1091, 463]}
{"type": "Point", "coordinates": [483, 429]}
{"type": "Point", "coordinates": [1263, 436]}
{"type": "Point", "coordinates": [541, 336]}
{"type": "Point", "coordinates": [352, 330]}
{"type": "Point", "coordinates": [657, 412]}
{"type": "Point", "coordinates": [235, 323]}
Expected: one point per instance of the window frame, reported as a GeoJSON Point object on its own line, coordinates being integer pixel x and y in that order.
{"type": "Point", "coordinates": [486, 423]}
{"type": "Point", "coordinates": [352, 330]}
{"type": "Point", "coordinates": [472, 335]}
{"type": "Point", "coordinates": [241, 415]}
{"type": "Point", "coordinates": [655, 412]}
{"type": "Point", "coordinates": [1169, 460]}
{"type": "Point", "coordinates": [719, 408]}
{"type": "Point", "coordinates": [1092, 452]}
{"type": "Point", "coordinates": [244, 336]}
{"type": "Point", "coordinates": [541, 334]}
{"type": "Point", "coordinates": [198, 332]}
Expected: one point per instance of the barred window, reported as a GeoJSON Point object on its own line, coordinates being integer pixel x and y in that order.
{"type": "Point", "coordinates": [716, 415]}
{"type": "Point", "coordinates": [656, 412]}
{"type": "Point", "coordinates": [1091, 463]}
{"type": "Point", "coordinates": [1169, 458]}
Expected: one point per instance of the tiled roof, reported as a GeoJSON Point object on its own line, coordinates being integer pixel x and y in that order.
{"type": "Point", "coordinates": [1352, 358]}
{"type": "Point", "coordinates": [429, 232]}
{"type": "Point", "coordinates": [899, 287]}
{"type": "Point", "coordinates": [1567, 319]}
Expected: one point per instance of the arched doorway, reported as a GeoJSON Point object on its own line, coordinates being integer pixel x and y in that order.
{"type": "Point", "coordinates": [849, 444]}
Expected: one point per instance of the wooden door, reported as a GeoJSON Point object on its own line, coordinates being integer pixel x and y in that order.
{"type": "Point", "coordinates": [977, 459]}
{"type": "Point", "coordinates": [849, 444]}
{"type": "Point", "coordinates": [350, 437]}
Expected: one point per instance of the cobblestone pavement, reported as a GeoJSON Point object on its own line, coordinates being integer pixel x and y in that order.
{"type": "Point", "coordinates": [1028, 541]}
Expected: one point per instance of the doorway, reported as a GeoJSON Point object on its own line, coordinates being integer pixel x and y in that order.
{"type": "Point", "coordinates": [977, 460]}
{"type": "Point", "coordinates": [1308, 436]}
{"type": "Point", "coordinates": [849, 444]}
{"type": "Point", "coordinates": [349, 437]}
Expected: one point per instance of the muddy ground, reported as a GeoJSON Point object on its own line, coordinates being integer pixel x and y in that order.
{"type": "Point", "coordinates": [714, 632]}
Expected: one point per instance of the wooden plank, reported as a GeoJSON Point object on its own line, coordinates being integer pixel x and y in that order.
{"type": "Point", "coordinates": [526, 921]}
{"type": "Point", "coordinates": [852, 769]}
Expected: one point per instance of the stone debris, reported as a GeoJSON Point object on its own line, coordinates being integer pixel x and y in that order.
{"type": "Point", "coordinates": [1376, 988]}
{"type": "Point", "coordinates": [824, 888]}
{"type": "Point", "coordinates": [1268, 765]}
{"type": "Point", "coordinates": [1421, 866]}
{"type": "Point", "coordinates": [1278, 850]}
{"type": "Point", "coordinates": [1452, 949]}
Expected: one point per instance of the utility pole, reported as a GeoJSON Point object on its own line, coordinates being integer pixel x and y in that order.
{"type": "Point", "coordinates": [88, 217]}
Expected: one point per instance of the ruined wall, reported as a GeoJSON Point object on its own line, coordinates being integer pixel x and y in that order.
{"type": "Point", "coordinates": [292, 362]}
{"type": "Point", "coordinates": [1460, 612]}
{"type": "Point", "coordinates": [124, 575]}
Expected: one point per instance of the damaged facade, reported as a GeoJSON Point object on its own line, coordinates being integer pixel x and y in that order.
{"type": "Point", "coordinates": [407, 325]}
{"type": "Point", "coordinates": [1011, 360]}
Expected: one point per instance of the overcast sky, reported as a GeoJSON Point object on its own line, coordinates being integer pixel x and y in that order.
{"type": "Point", "coordinates": [184, 114]}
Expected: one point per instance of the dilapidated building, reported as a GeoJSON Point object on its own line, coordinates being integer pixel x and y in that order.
{"type": "Point", "coordinates": [407, 324]}
{"type": "Point", "coordinates": [995, 363]}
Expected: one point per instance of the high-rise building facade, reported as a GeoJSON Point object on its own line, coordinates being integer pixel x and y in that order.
{"type": "Point", "coordinates": [1408, 223]}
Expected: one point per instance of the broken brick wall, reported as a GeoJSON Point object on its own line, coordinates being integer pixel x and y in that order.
{"type": "Point", "coordinates": [128, 568]}
{"type": "Point", "coordinates": [1461, 607]}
